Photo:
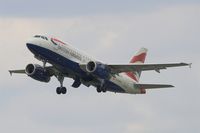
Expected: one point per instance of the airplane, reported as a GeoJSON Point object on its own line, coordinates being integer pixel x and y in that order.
{"type": "Point", "coordinates": [66, 61]}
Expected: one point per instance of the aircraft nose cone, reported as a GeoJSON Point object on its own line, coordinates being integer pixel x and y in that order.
{"type": "Point", "coordinates": [31, 47]}
{"type": "Point", "coordinates": [27, 45]}
{"type": "Point", "coordinates": [31, 44]}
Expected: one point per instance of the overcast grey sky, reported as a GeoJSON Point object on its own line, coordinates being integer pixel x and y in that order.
{"type": "Point", "coordinates": [111, 31]}
{"type": "Point", "coordinates": [63, 8]}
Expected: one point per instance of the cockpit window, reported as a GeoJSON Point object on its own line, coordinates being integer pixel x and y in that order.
{"type": "Point", "coordinates": [43, 37]}
{"type": "Point", "coordinates": [37, 36]}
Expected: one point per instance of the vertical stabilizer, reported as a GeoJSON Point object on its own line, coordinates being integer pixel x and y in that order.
{"type": "Point", "coordinates": [139, 58]}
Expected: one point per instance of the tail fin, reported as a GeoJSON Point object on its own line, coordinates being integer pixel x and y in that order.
{"type": "Point", "coordinates": [139, 58]}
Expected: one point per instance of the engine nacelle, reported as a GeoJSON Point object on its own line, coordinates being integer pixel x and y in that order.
{"type": "Point", "coordinates": [98, 69]}
{"type": "Point", "coordinates": [37, 72]}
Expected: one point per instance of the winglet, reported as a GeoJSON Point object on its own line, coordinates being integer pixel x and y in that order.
{"type": "Point", "coordinates": [157, 70]}
{"type": "Point", "coordinates": [10, 72]}
{"type": "Point", "coordinates": [190, 65]}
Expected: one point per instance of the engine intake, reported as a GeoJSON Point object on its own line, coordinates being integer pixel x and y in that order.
{"type": "Point", "coordinates": [98, 69]}
{"type": "Point", "coordinates": [37, 72]}
{"type": "Point", "coordinates": [91, 66]}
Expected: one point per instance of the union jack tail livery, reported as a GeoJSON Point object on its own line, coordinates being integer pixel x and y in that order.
{"type": "Point", "coordinates": [139, 58]}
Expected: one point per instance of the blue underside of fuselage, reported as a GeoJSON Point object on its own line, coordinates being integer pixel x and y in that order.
{"type": "Point", "coordinates": [67, 66]}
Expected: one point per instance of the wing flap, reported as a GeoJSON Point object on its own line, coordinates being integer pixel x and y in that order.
{"type": "Point", "coordinates": [152, 86]}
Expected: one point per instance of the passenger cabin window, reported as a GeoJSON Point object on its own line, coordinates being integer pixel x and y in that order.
{"type": "Point", "coordinates": [43, 37]}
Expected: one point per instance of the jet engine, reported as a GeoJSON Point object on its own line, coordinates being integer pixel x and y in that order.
{"type": "Point", "coordinates": [37, 72]}
{"type": "Point", "coordinates": [98, 69]}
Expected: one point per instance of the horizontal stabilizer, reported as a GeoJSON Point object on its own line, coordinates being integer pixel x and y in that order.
{"type": "Point", "coordinates": [152, 86]}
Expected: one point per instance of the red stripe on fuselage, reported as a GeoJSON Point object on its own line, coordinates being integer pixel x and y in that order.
{"type": "Point", "coordinates": [54, 39]}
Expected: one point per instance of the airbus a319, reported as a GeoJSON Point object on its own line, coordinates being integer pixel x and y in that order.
{"type": "Point", "coordinates": [67, 61]}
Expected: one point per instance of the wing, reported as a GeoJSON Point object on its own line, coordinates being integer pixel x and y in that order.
{"type": "Point", "coordinates": [152, 86]}
{"type": "Point", "coordinates": [17, 71]}
{"type": "Point", "coordinates": [143, 67]}
{"type": "Point", "coordinates": [51, 70]}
